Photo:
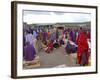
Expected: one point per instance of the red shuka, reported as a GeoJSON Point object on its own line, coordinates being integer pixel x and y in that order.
{"type": "Point", "coordinates": [49, 47]}
{"type": "Point", "coordinates": [82, 46]}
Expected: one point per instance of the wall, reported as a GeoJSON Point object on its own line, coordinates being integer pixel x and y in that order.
{"type": "Point", "coordinates": [5, 40]}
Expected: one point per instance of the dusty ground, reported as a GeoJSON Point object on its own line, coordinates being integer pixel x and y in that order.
{"type": "Point", "coordinates": [57, 58]}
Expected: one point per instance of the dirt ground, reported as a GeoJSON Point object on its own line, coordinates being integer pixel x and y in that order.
{"type": "Point", "coordinates": [57, 58]}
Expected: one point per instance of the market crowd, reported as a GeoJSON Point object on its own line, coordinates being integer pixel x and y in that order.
{"type": "Point", "coordinates": [73, 40]}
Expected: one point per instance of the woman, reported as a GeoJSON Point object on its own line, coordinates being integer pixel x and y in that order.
{"type": "Point", "coordinates": [49, 46]}
{"type": "Point", "coordinates": [82, 51]}
{"type": "Point", "coordinates": [38, 43]}
{"type": "Point", "coordinates": [29, 37]}
{"type": "Point", "coordinates": [29, 52]}
{"type": "Point", "coordinates": [44, 36]}
{"type": "Point", "coordinates": [71, 47]}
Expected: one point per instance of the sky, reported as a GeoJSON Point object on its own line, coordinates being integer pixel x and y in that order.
{"type": "Point", "coordinates": [36, 17]}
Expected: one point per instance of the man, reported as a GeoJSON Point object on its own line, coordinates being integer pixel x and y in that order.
{"type": "Point", "coordinates": [82, 50]}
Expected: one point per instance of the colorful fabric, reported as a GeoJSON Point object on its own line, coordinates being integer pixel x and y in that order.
{"type": "Point", "coordinates": [82, 46]}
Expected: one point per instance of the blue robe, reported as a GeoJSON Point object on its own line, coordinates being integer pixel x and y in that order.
{"type": "Point", "coordinates": [29, 52]}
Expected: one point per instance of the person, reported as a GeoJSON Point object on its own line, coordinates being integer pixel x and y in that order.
{"type": "Point", "coordinates": [34, 34]}
{"type": "Point", "coordinates": [29, 52]}
{"type": "Point", "coordinates": [61, 41]}
{"type": "Point", "coordinates": [29, 37]}
{"type": "Point", "coordinates": [44, 45]}
{"type": "Point", "coordinates": [30, 30]}
{"type": "Point", "coordinates": [71, 47]}
{"type": "Point", "coordinates": [82, 50]}
{"type": "Point", "coordinates": [57, 34]}
{"type": "Point", "coordinates": [71, 34]}
{"type": "Point", "coordinates": [49, 46]}
{"type": "Point", "coordinates": [55, 44]}
{"type": "Point", "coordinates": [48, 35]}
{"type": "Point", "coordinates": [44, 36]}
{"type": "Point", "coordinates": [74, 36]}
{"type": "Point", "coordinates": [53, 36]}
{"type": "Point", "coordinates": [38, 43]}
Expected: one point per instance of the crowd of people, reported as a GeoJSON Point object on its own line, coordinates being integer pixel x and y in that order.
{"type": "Point", "coordinates": [73, 40]}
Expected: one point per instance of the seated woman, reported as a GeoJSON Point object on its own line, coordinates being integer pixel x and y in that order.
{"type": "Point", "coordinates": [49, 47]}
{"type": "Point", "coordinates": [70, 48]}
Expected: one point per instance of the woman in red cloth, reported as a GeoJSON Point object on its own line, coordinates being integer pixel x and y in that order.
{"type": "Point", "coordinates": [82, 50]}
{"type": "Point", "coordinates": [49, 46]}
